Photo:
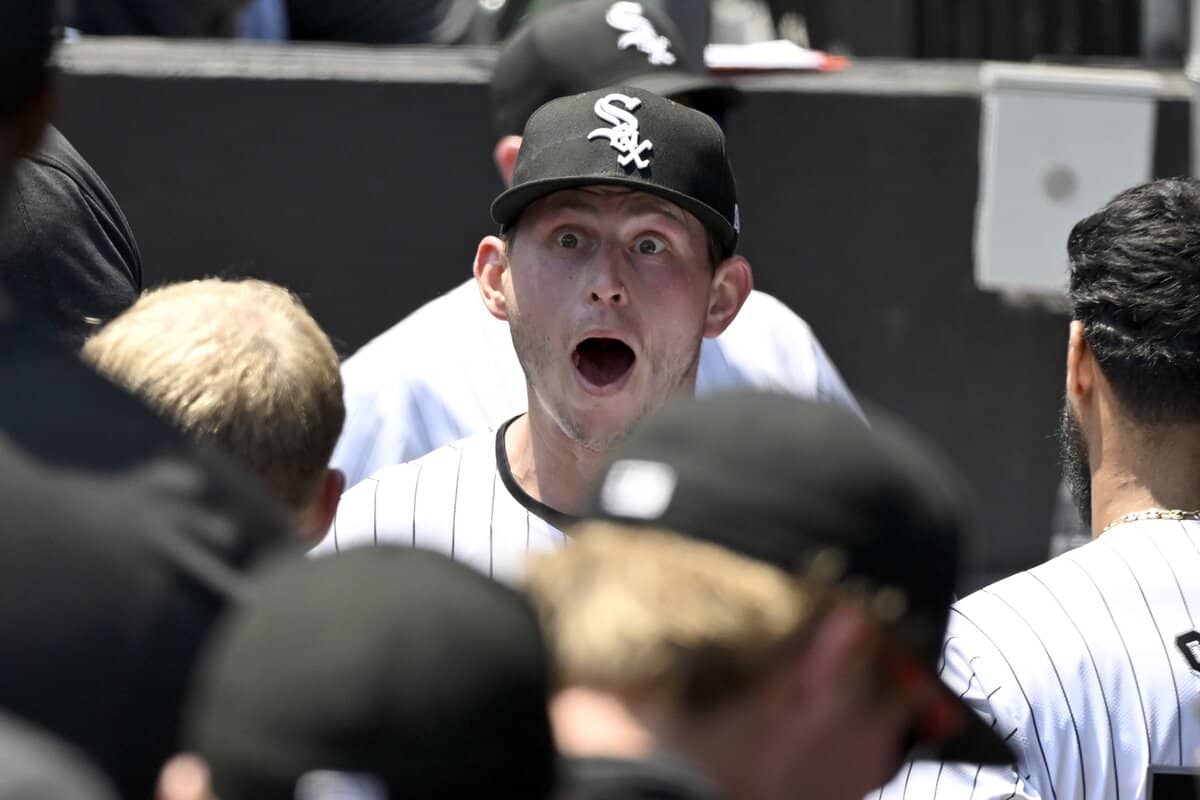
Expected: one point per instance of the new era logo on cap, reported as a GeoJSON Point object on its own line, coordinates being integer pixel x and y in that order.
{"type": "Point", "coordinates": [639, 32]}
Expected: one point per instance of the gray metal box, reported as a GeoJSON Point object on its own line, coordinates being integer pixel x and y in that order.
{"type": "Point", "coordinates": [1056, 144]}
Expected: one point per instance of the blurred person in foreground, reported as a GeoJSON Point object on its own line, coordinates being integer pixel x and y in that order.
{"type": "Point", "coordinates": [1090, 662]}
{"type": "Point", "coordinates": [392, 673]}
{"type": "Point", "coordinates": [36, 766]}
{"type": "Point", "coordinates": [759, 587]}
{"type": "Point", "coordinates": [122, 541]}
{"type": "Point", "coordinates": [449, 370]}
{"type": "Point", "coordinates": [243, 366]}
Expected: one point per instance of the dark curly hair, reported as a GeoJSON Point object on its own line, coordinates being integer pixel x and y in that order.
{"type": "Point", "coordinates": [1135, 286]}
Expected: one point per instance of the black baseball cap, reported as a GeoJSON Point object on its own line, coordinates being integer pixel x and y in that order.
{"type": "Point", "coordinates": [812, 490]}
{"type": "Point", "coordinates": [582, 45]}
{"type": "Point", "coordinates": [626, 136]}
{"type": "Point", "coordinates": [395, 672]}
{"type": "Point", "coordinates": [36, 766]}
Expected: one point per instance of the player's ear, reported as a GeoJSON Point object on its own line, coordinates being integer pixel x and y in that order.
{"type": "Point", "coordinates": [1081, 366]}
{"type": "Point", "coordinates": [491, 269]}
{"type": "Point", "coordinates": [732, 282]}
{"type": "Point", "coordinates": [319, 516]}
{"type": "Point", "coordinates": [505, 156]}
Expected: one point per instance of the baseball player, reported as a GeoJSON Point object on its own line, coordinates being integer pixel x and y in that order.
{"type": "Point", "coordinates": [616, 259]}
{"type": "Point", "coordinates": [449, 370]}
{"type": "Point", "coordinates": [760, 586]}
{"type": "Point", "coordinates": [1090, 663]}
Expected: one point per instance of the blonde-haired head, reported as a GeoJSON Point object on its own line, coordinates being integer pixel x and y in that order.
{"type": "Point", "coordinates": [639, 610]}
{"type": "Point", "coordinates": [240, 364]}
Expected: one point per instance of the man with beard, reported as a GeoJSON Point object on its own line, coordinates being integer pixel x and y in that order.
{"type": "Point", "coordinates": [615, 260]}
{"type": "Point", "coordinates": [1090, 663]}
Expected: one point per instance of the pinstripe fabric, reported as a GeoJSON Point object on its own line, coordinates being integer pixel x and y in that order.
{"type": "Point", "coordinates": [452, 501]}
{"type": "Point", "coordinates": [1076, 659]}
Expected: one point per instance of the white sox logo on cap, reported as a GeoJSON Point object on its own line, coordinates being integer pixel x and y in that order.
{"type": "Point", "coordinates": [623, 135]}
{"type": "Point", "coordinates": [639, 32]}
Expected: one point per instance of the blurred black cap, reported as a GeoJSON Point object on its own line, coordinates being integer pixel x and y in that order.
{"type": "Point", "coordinates": [631, 137]}
{"type": "Point", "coordinates": [381, 672]}
{"type": "Point", "coordinates": [584, 45]}
{"type": "Point", "coordinates": [810, 489]}
{"type": "Point", "coordinates": [36, 766]}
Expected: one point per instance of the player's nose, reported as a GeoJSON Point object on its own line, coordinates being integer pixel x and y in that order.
{"type": "Point", "coordinates": [606, 279]}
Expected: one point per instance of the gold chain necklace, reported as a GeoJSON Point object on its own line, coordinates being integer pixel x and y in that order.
{"type": "Point", "coordinates": [1175, 514]}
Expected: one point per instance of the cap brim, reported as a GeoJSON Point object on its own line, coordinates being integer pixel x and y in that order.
{"type": "Point", "coordinates": [976, 742]}
{"type": "Point", "coordinates": [707, 94]}
{"type": "Point", "coordinates": [508, 207]}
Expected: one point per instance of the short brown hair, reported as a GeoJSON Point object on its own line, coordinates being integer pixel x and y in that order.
{"type": "Point", "coordinates": [240, 364]}
{"type": "Point", "coordinates": [637, 610]}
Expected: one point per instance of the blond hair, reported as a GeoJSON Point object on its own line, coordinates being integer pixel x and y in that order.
{"type": "Point", "coordinates": [641, 610]}
{"type": "Point", "coordinates": [240, 364]}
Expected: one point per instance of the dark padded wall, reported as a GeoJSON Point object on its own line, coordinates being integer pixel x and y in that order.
{"type": "Point", "coordinates": [862, 217]}
{"type": "Point", "coordinates": [365, 198]}
{"type": "Point", "coordinates": [368, 198]}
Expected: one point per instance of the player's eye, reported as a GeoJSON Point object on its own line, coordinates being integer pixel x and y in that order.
{"type": "Point", "coordinates": [651, 245]}
{"type": "Point", "coordinates": [568, 240]}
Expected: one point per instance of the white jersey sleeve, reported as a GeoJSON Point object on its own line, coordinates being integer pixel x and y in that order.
{"type": "Point", "coordinates": [966, 659]}
{"type": "Point", "coordinates": [1083, 663]}
{"type": "Point", "coordinates": [445, 372]}
{"type": "Point", "coordinates": [768, 346]}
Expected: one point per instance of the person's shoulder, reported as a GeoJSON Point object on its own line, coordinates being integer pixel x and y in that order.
{"type": "Point", "coordinates": [191, 493]}
{"type": "Point", "coordinates": [763, 312]}
{"type": "Point", "coordinates": [769, 346]}
{"type": "Point", "coordinates": [477, 445]}
{"type": "Point", "coordinates": [56, 162]}
{"type": "Point", "coordinates": [55, 152]}
{"type": "Point", "coordinates": [445, 457]}
{"type": "Point", "coordinates": [1034, 625]}
{"type": "Point", "coordinates": [384, 507]}
{"type": "Point", "coordinates": [429, 330]}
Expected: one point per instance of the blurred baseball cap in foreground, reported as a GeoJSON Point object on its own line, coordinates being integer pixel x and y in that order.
{"type": "Point", "coordinates": [811, 490]}
{"type": "Point", "coordinates": [378, 673]}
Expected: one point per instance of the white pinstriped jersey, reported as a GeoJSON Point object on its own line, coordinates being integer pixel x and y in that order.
{"type": "Point", "coordinates": [1089, 664]}
{"type": "Point", "coordinates": [460, 500]}
{"type": "Point", "coordinates": [448, 370]}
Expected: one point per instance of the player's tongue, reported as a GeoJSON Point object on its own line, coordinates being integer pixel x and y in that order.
{"type": "Point", "coordinates": [603, 361]}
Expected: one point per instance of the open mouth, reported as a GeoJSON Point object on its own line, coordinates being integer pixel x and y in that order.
{"type": "Point", "coordinates": [602, 361]}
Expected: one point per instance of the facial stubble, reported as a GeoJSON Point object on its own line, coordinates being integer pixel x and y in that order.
{"type": "Point", "coordinates": [1076, 468]}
